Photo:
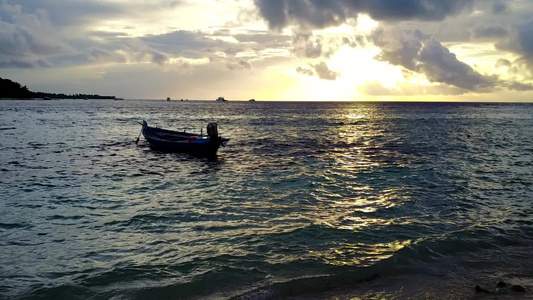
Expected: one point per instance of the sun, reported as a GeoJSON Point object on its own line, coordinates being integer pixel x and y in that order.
{"type": "Point", "coordinates": [356, 67]}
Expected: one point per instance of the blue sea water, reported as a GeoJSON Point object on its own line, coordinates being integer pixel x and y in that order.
{"type": "Point", "coordinates": [307, 201]}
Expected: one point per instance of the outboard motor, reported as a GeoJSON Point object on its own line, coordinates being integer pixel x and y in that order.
{"type": "Point", "coordinates": [212, 131]}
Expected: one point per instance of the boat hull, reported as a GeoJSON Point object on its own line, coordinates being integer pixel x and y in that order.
{"type": "Point", "coordinates": [181, 142]}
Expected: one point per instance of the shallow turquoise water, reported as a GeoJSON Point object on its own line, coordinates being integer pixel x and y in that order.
{"type": "Point", "coordinates": [308, 200]}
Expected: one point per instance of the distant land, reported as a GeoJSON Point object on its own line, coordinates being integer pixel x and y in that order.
{"type": "Point", "coordinates": [14, 90]}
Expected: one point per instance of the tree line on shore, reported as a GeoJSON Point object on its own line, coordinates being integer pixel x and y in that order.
{"type": "Point", "coordinates": [13, 90]}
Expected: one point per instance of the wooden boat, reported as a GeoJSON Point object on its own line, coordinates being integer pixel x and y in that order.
{"type": "Point", "coordinates": [174, 141]}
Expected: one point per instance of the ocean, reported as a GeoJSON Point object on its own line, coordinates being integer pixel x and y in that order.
{"type": "Point", "coordinates": [307, 201]}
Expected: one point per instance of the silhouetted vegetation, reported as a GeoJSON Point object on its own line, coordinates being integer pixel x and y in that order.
{"type": "Point", "coordinates": [14, 90]}
{"type": "Point", "coordinates": [11, 89]}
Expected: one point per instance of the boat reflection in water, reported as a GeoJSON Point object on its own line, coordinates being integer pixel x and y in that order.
{"type": "Point", "coordinates": [191, 143]}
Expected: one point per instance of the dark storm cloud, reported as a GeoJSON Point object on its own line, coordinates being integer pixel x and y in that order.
{"type": "Point", "coordinates": [319, 14]}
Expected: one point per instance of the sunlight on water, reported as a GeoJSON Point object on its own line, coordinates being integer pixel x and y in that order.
{"type": "Point", "coordinates": [360, 255]}
{"type": "Point", "coordinates": [305, 198]}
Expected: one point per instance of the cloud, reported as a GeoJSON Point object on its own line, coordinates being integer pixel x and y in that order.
{"type": "Point", "coordinates": [183, 43]}
{"type": "Point", "coordinates": [524, 37]}
{"type": "Point", "coordinates": [127, 52]}
{"type": "Point", "coordinates": [501, 63]}
{"type": "Point", "coordinates": [306, 45]}
{"type": "Point", "coordinates": [440, 65]}
{"type": "Point", "coordinates": [375, 88]}
{"type": "Point", "coordinates": [520, 42]}
{"type": "Point", "coordinates": [423, 54]}
{"type": "Point", "coordinates": [105, 35]}
{"type": "Point", "coordinates": [320, 14]}
{"type": "Point", "coordinates": [305, 71]}
{"type": "Point", "coordinates": [239, 65]}
{"type": "Point", "coordinates": [426, 10]}
{"type": "Point", "coordinates": [138, 52]}
{"type": "Point", "coordinates": [518, 86]}
{"type": "Point", "coordinates": [280, 13]}
{"type": "Point", "coordinates": [56, 33]}
{"type": "Point", "coordinates": [416, 35]}
{"type": "Point", "coordinates": [446, 21]}
{"type": "Point", "coordinates": [81, 14]}
{"type": "Point", "coordinates": [262, 37]}
{"type": "Point", "coordinates": [324, 72]}
{"type": "Point", "coordinates": [311, 45]}
{"type": "Point", "coordinates": [499, 7]}
{"type": "Point", "coordinates": [23, 64]}
{"type": "Point", "coordinates": [28, 39]}
{"type": "Point", "coordinates": [407, 46]}
{"type": "Point", "coordinates": [354, 41]}
{"type": "Point", "coordinates": [490, 32]}
{"type": "Point", "coordinates": [102, 55]}
{"type": "Point", "coordinates": [319, 69]}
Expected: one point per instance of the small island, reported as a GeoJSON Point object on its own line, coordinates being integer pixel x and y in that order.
{"type": "Point", "coordinates": [14, 90]}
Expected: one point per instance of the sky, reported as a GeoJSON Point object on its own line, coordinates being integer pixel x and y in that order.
{"type": "Point", "coordinates": [299, 50]}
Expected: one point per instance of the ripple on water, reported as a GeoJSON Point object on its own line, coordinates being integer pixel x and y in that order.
{"type": "Point", "coordinates": [344, 197]}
